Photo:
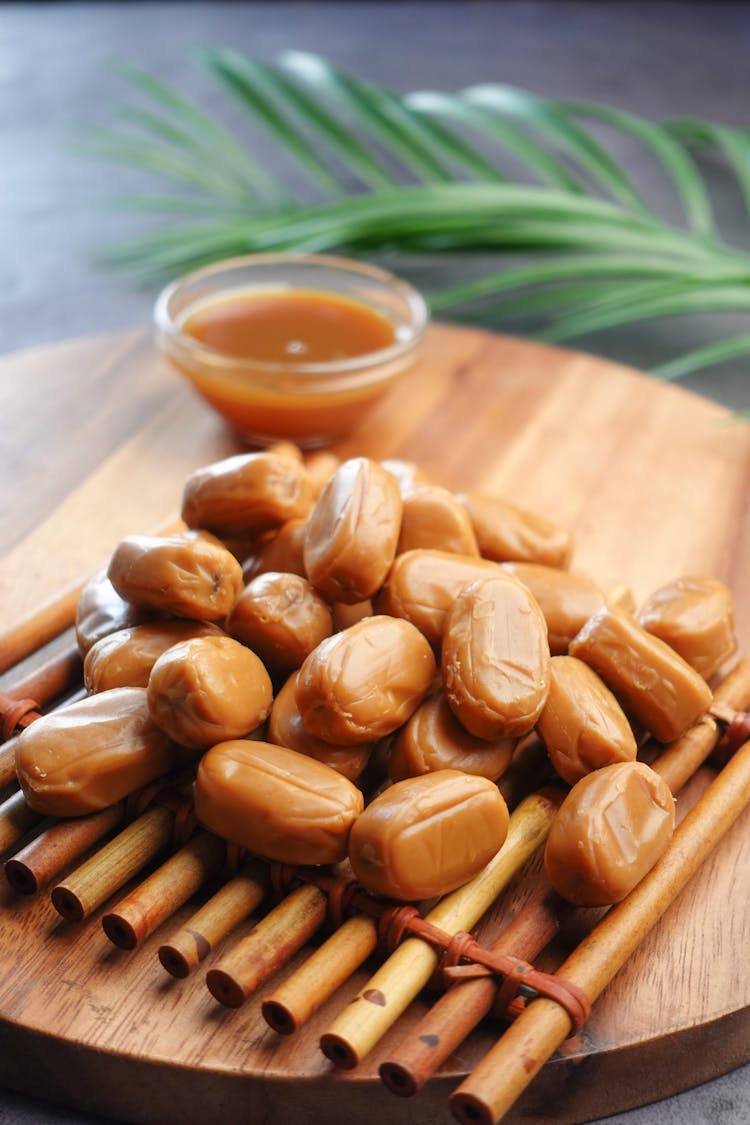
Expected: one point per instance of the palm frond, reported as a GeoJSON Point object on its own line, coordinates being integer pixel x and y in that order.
{"type": "Point", "coordinates": [489, 168]}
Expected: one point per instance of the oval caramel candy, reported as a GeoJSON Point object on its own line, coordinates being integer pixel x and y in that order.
{"type": "Point", "coordinates": [608, 833]}
{"type": "Point", "coordinates": [654, 685]}
{"type": "Point", "coordinates": [125, 658]}
{"type": "Point", "coordinates": [495, 659]}
{"type": "Point", "coordinates": [247, 492]}
{"type": "Point", "coordinates": [353, 530]}
{"type": "Point", "coordinates": [282, 618]}
{"type": "Point", "coordinates": [208, 690]}
{"type": "Point", "coordinates": [361, 684]}
{"type": "Point", "coordinates": [582, 724]}
{"type": "Point", "coordinates": [277, 803]}
{"type": "Point", "coordinates": [694, 616]}
{"type": "Point", "coordinates": [505, 532]}
{"type": "Point", "coordinates": [92, 753]}
{"type": "Point", "coordinates": [428, 835]}
{"type": "Point", "coordinates": [196, 578]}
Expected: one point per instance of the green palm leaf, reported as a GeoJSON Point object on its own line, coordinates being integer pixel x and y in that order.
{"type": "Point", "coordinates": [490, 168]}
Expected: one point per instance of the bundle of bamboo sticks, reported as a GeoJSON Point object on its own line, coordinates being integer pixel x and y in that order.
{"type": "Point", "coordinates": [163, 826]}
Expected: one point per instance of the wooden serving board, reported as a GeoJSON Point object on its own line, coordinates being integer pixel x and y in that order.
{"type": "Point", "coordinates": [97, 437]}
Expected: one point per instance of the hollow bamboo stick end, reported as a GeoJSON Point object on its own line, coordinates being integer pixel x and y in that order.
{"type": "Point", "coordinates": [225, 988]}
{"type": "Point", "coordinates": [67, 903]}
{"type": "Point", "coordinates": [400, 1080]}
{"type": "Point", "coordinates": [339, 1050]}
{"type": "Point", "coordinates": [21, 877]}
{"type": "Point", "coordinates": [280, 1017]}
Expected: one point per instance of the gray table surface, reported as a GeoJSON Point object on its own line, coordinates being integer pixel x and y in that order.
{"type": "Point", "coordinates": [56, 71]}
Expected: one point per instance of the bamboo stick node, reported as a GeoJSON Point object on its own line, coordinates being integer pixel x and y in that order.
{"type": "Point", "coordinates": [16, 714]}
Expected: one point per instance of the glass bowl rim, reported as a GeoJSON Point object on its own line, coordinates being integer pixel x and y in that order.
{"type": "Point", "coordinates": [419, 316]}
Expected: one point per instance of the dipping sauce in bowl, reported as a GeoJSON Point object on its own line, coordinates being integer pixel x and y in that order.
{"type": "Point", "coordinates": [291, 346]}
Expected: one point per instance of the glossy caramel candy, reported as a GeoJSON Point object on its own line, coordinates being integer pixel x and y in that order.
{"type": "Point", "coordinates": [608, 833]}
{"type": "Point", "coordinates": [282, 618]}
{"type": "Point", "coordinates": [506, 533]}
{"type": "Point", "coordinates": [353, 531]}
{"type": "Point", "coordinates": [207, 690]}
{"type": "Point", "coordinates": [428, 835]}
{"type": "Point", "coordinates": [566, 599]}
{"type": "Point", "coordinates": [277, 803]}
{"type": "Point", "coordinates": [655, 686]}
{"type": "Point", "coordinates": [362, 684]}
{"type": "Point", "coordinates": [125, 658]}
{"type": "Point", "coordinates": [92, 753]}
{"type": "Point", "coordinates": [422, 585]}
{"type": "Point", "coordinates": [248, 492]}
{"type": "Point", "coordinates": [433, 517]}
{"type": "Point", "coordinates": [194, 578]}
{"type": "Point", "coordinates": [433, 739]}
{"type": "Point", "coordinates": [582, 724]}
{"type": "Point", "coordinates": [283, 553]}
{"type": "Point", "coordinates": [694, 616]}
{"type": "Point", "coordinates": [285, 728]}
{"type": "Point", "coordinates": [495, 658]}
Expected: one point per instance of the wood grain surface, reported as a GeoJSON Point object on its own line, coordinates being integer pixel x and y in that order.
{"type": "Point", "coordinates": [97, 438]}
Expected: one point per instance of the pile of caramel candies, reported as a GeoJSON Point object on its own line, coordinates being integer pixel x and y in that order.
{"type": "Point", "coordinates": [315, 613]}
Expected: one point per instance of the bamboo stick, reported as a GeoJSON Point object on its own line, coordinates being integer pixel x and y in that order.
{"type": "Point", "coordinates": [163, 892]}
{"type": "Point", "coordinates": [103, 874]}
{"type": "Point", "coordinates": [16, 818]}
{"type": "Point", "coordinates": [360, 1026]}
{"type": "Point", "coordinates": [460, 1009]}
{"type": "Point", "coordinates": [508, 1068]}
{"type": "Point", "coordinates": [321, 975]}
{"type": "Point", "coordinates": [37, 864]}
{"type": "Point", "coordinates": [268, 946]}
{"type": "Point", "coordinates": [52, 678]}
{"type": "Point", "coordinates": [52, 618]}
{"type": "Point", "coordinates": [8, 763]}
{"type": "Point", "coordinates": [214, 921]}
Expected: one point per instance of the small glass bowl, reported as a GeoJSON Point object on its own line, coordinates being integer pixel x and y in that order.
{"type": "Point", "coordinates": [311, 404]}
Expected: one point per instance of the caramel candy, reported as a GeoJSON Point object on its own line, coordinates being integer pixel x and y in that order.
{"type": "Point", "coordinates": [655, 686]}
{"type": "Point", "coordinates": [695, 617]}
{"type": "Point", "coordinates": [285, 728]}
{"type": "Point", "coordinates": [282, 618]}
{"type": "Point", "coordinates": [495, 658]}
{"type": "Point", "coordinates": [582, 724]}
{"type": "Point", "coordinates": [125, 658]}
{"type": "Point", "coordinates": [284, 552]}
{"type": "Point", "coordinates": [101, 611]}
{"type": "Point", "coordinates": [207, 690]}
{"type": "Point", "coordinates": [276, 802]}
{"type": "Point", "coordinates": [193, 578]}
{"type": "Point", "coordinates": [248, 492]}
{"type": "Point", "coordinates": [428, 835]}
{"type": "Point", "coordinates": [361, 684]}
{"type": "Point", "coordinates": [433, 517]}
{"type": "Point", "coordinates": [567, 600]}
{"type": "Point", "coordinates": [352, 531]}
{"type": "Point", "coordinates": [433, 739]}
{"type": "Point", "coordinates": [423, 584]}
{"type": "Point", "coordinates": [608, 833]}
{"type": "Point", "coordinates": [92, 753]}
{"type": "Point", "coordinates": [505, 532]}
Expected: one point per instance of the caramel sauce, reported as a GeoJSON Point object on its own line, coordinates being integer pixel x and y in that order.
{"type": "Point", "coordinates": [289, 326]}
{"type": "Point", "coordinates": [289, 329]}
